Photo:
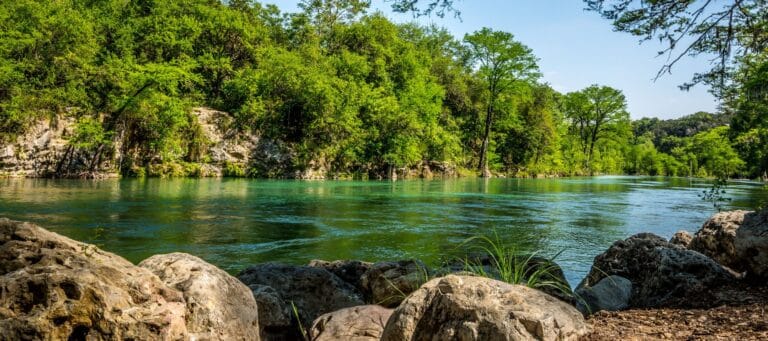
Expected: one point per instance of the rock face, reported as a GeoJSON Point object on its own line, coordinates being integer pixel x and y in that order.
{"type": "Point", "coordinates": [752, 243]}
{"type": "Point", "coordinates": [716, 238]}
{"type": "Point", "coordinates": [388, 283]}
{"type": "Point", "coordinates": [313, 291]}
{"type": "Point", "coordinates": [477, 308]}
{"type": "Point", "coordinates": [43, 150]}
{"type": "Point", "coordinates": [357, 323]}
{"type": "Point", "coordinates": [611, 293]}
{"type": "Point", "coordinates": [219, 306]}
{"type": "Point", "coordinates": [662, 274]}
{"type": "Point", "coordinates": [681, 238]}
{"type": "Point", "coordinates": [54, 288]}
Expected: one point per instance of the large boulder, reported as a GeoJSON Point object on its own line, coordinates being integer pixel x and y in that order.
{"type": "Point", "coordinates": [312, 291]}
{"type": "Point", "coordinates": [388, 283]}
{"type": "Point", "coordinates": [611, 294]}
{"type": "Point", "coordinates": [357, 323]}
{"type": "Point", "coordinates": [478, 308]}
{"type": "Point", "coordinates": [752, 243]}
{"type": "Point", "coordinates": [662, 274]}
{"type": "Point", "coordinates": [219, 306]}
{"type": "Point", "coordinates": [716, 238]}
{"type": "Point", "coordinates": [54, 288]}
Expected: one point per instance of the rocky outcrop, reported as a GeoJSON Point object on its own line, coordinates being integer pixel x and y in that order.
{"type": "Point", "coordinates": [611, 294]}
{"type": "Point", "coordinates": [661, 273]}
{"type": "Point", "coordinates": [357, 323]}
{"type": "Point", "coordinates": [716, 238]}
{"type": "Point", "coordinates": [681, 238]}
{"type": "Point", "coordinates": [388, 283]}
{"type": "Point", "coordinates": [44, 151]}
{"type": "Point", "coordinates": [54, 288]}
{"type": "Point", "coordinates": [312, 291]}
{"type": "Point", "coordinates": [477, 308]}
{"type": "Point", "coordinates": [219, 307]}
{"type": "Point", "coordinates": [752, 243]}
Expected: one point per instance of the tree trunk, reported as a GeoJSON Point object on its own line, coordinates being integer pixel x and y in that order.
{"type": "Point", "coordinates": [483, 165]}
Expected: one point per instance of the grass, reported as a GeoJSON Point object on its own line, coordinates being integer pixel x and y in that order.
{"type": "Point", "coordinates": [508, 265]}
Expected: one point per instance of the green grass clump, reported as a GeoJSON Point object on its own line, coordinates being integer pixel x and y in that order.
{"type": "Point", "coordinates": [508, 265]}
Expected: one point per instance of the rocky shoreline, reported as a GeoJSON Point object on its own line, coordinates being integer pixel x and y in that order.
{"type": "Point", "coordinates": [708, 285]}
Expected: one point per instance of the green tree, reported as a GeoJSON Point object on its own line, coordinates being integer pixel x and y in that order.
{"type": "Point", "coordinates": [500, 61]}
{"type": "Point", "coordinates": [596, 113]}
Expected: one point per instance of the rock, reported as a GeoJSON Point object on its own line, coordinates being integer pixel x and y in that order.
{"type": "Point", "coordinates": [275, 315]}
{"type": "Point", "coordinates": [752, 243]}
{"type": "Point", "coordinates": [662, 274]}
{"type": "Point", "coordinates": [313, 291]}
{"type": "Point", "coordinates": [717, 236]}
{"type": "Point", "coordinates": [388, 283]}
{"type": "Point", "coordinates": [477, 308]}
{"type": "Point", "coordinates": [54, 288]}
{"type": "Point", "coordinates": [351, 271]}
{"type": "Point", "coordinates": [681, 238]}
{"type": "Point", "coordinates": [625, 258]}
{"type": "Point", "coordinates": [219, 306]}
{"type": "Point", "coordinates": [357, 323]}
{"type": "Point", "coordinates": [611, 293]}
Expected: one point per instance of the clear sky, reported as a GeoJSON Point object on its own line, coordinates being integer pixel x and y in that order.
{"type": "Point", "coordinates": [577, 48]}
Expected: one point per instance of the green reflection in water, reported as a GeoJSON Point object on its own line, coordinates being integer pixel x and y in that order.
{"type": "Point", "coordinates": [236, 222]}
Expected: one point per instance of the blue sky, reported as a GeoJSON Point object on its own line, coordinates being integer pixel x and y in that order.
{"type": "Point", "coordinates": [577, 48]}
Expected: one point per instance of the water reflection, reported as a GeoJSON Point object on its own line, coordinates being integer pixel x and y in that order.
{"type": "Point", "coordinates": [235, 222]}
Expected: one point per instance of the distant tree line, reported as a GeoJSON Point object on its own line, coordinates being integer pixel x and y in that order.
{"type": "Point", "coordinates": [341, 86]}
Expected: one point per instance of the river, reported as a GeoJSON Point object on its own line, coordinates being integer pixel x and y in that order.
{"type": "Point", "coordinates": [235, 222]}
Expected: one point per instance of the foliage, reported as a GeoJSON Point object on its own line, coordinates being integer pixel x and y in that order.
{"type": "Point", "coordinates": [728, 30]}
{"type": "Point", "coordinates": [716, 194]}
{"type": "Point", "coordinates": [335, 87]}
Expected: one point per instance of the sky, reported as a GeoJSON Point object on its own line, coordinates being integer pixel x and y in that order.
{"type": "Point", "coordinates": [577, 48]}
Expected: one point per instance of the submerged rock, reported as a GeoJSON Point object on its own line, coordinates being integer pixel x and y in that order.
{"type": "Point", "coordinates": [357, 323]}
{"type": "Point", "coordinates": [313, 291]}
{"type": "Point", "coordinates": [477, 308]}
{"type": "Point", "coordinates": [662, 274]}
{"type": "Point", "coordinates": [716, 238]}
{"type": "Point", "coordinates": [54, 288]}
{"type": "Point", "coordinates": [752, 243]}
{"type": "Point", "coordinates": [219, 306]}
{"type": "Point", "coordinates": [611, 294]}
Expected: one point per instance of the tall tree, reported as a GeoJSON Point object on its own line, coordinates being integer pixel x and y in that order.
{"type": "Point", "coordinates": [596, 112]}
{"type": "Point", "coordinates": [500, 61]}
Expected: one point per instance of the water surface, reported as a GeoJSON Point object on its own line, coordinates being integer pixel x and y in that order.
{"type": "Point", "coordinates": [235, 222]}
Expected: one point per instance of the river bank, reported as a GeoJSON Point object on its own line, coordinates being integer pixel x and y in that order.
{"type": "Point", "coordinates": [55, 287]}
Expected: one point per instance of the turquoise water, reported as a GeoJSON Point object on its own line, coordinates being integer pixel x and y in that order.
{"type": "Point", "coordinates": [235, 222]}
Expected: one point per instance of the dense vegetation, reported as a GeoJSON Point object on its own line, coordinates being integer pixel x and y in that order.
{"type": "Point", "coordinates": [340, 86]}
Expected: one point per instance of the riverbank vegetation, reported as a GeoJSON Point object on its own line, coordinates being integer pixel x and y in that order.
{"type": "Point", "coordinates": [340, 85]}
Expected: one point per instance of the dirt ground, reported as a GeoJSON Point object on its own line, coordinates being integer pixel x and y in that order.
{"type": "Point", "coordinates": [740, 314]}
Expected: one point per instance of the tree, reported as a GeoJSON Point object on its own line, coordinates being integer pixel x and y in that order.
{"type": "Point", "coordinates": [500, 61]}
{"type": "Point", "coordinates": [439, 7]}
{"type": "Point", "coordinates": [595, 113]}
{"type": "Point", "coordinates": [729, 30]}
{"type": "Point", "coordinates": [749, 127]}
